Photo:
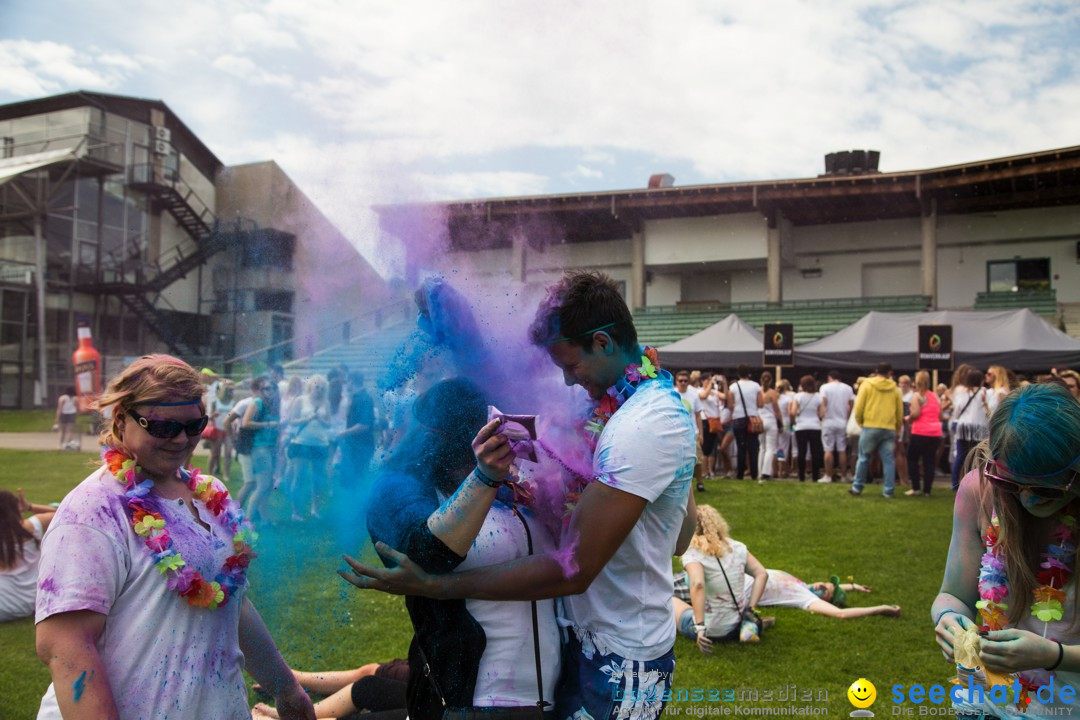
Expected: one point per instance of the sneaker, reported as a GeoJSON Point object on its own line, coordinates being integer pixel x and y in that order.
{"type": "Point", "coordinates": [825, 479]}
{"type": "Point", "coordinates": [701, 487]}
{"type": "Point", "coordinates": [853, 491]}
{"type": "Point", "coordinates": [888, 496]}
{"type": "Point", "coordinates": [909, 493]}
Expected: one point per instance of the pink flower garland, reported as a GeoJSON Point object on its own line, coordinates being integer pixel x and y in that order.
{"type": "Point", "coordinates": [150, 525]}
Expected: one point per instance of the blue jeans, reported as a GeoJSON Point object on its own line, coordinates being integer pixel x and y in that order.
{"type": "Point", "coordinates": [883, 441]}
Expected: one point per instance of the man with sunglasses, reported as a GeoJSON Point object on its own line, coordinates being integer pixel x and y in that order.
{"type": "Point", "coordinates": [1013, 552]}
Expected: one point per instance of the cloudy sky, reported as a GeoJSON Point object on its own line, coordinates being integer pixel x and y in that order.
{"type": "Point", "coordinates": [370, 102]}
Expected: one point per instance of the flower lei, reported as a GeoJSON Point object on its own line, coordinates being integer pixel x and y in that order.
{"type": "Point", "coordinates": [634, 375]}
{"type": "Point", "coordinates": [1048, 597]}
{"type": "Point", "coordinates": [150, 525]}
{"type": "Point", "coordinates": [620, 392]}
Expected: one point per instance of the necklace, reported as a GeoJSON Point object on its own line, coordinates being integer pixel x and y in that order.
{"type": "Point", "coordinates": [149, 524]}
{"type": "Point", "coordinates": [1048, 597]}
{"type": "Point", "coordinates": [634, 375]}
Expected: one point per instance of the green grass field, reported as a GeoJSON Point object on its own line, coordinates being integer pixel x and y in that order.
{"type": "Point", "coordinates": [898, 547]}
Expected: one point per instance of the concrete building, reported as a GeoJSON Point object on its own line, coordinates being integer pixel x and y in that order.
{"type": "Point", "coordinates": [988, 234]}
{"type": "Point", "coordinates": [115, 215]}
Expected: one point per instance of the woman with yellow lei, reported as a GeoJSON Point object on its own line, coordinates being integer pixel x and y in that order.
{"type": "Point", "coordinates": [140, 607]}
{"type": "Point", "coordinates": [1009, 574]}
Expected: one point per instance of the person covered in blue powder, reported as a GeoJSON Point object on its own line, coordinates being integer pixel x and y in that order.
{"type": "Point", "coordinates": [1012, 558]}
{"type": "Point", "coordinates": [438, 499]}
{"type": "Point", "coordinates": [614, 563]}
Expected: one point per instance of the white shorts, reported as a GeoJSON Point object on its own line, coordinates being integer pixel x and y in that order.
{"type": "Point", "coordinates": [834, 438]}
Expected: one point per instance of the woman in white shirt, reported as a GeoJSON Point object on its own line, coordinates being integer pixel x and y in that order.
{"type": "Point", "coordinates": [770, 420]}
{"type": "Point", "coordinates": [715, 564]}
{"type": "Point", "coordinates": [971, 414]}
{"type": "Point", "coordinates": [744, 399]}
{"type": "Point", "coordinates": [807, 410]}
{"type": "Point", "coordinates": [713, 402]}
{"type": "Point", "coordinates": [20, 551]}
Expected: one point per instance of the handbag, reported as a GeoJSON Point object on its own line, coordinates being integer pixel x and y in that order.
{"type": "Point", "coordinates": [747, 615]}
{"type": "Point", "coordinates": [754, 424]}
{"type": "Point", "coordinates": [716, 426]}
{"type": "Point", "coordinates": [525, 712]}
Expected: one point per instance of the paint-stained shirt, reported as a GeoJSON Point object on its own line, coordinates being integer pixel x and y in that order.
{"type": "Point", "coordinates": [163, 657]}
{"type": "Point", "coordinates": [646, 449]}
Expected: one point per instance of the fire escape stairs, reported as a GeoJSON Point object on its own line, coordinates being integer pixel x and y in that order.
{"type": "Point", "coordinates": [211, 236]}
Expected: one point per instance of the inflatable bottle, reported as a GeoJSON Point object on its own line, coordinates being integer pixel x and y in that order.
{"type": "Point", "coordinates": [87, 363]}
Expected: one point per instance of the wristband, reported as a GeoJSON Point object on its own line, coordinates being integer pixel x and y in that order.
{"type": "Point", "coordinates": [486, 480]}
{"type": "Point", "coordinates": [1061, 656]}
{"type": "Point", "coordinates": [700, 628]}
{"type": "Point", "coordinates": [943, 613]}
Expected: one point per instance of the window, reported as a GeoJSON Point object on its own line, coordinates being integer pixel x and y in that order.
{"type": "Point", "coordinates": [267, 248]}
{"type": "Point", "coordinates": [1018, 275]}
{"type": "Point", "coordinates": [275, 301]}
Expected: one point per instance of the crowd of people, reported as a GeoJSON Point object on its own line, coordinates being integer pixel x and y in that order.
{"type": "Point", "coordinates": [531, 586]}
{"type": "Point", "coordinates": [308, 437]}
{"type": "Point", "coordinates": [905, 431]}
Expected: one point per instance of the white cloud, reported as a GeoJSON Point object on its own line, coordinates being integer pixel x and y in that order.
{"type": "Point", "coordinates": [246, 69]}
{"type": "Point", "coordinates": [366, 102]}
{"type": "Point", "coordinates": [468, 185]}
{"type": "Point", "coordinates": [587, 172]}
{"type": "Point", "coordinates": [32, 68]}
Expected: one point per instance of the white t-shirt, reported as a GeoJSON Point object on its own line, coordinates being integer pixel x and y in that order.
{"type": "Point", "coordinates": [782, 590]}
{"type": "Point", "coordinates": [808, 419]}
{"type": "Point", "coordinates": [692, 401]}
{"type": "Point", "coordinates": [712, 406]}
{"type": "Point", "coordinates": [837, 396]}
{"type": "Point", "coordinates": [750, 390]}
{"type": "Point", "coordinates": [721, 613]}
{"type": "Point", "coordinates": [646, 449]}
{"type": "Point", "coordinates": [163, 657]}
{"type": "Point", "coordinates": [971, 418]}
{"type": "Point", "coordinates": [241, 406]}
{"type": "Point", "coordinates": [507, 676]}
{"type": "Point", "coordinates": [18, 584]}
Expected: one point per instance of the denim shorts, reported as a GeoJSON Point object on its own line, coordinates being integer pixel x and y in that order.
{"type": "Point", "coordinates": [686, 624]}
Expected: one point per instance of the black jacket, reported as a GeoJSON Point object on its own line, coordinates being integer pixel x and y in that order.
{"type": "Point", "coordinates": [450, 638]}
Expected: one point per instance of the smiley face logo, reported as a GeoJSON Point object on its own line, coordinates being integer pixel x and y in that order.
{"type": "Point", "coordinates": [862, 693]}
{"type": "Point", "coordinates": [778, 339]}
{"type": "Point", "coordinates": [935, 342]}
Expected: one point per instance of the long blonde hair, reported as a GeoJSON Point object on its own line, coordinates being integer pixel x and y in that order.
{"type": "Point", "coordinates": [711, 536]}
{"type": "Point", "coordinates": [1003, 378]}
{"type": "Point", "coordinates": [1020, 431]}
{"type": "Point", "coordinates": [150, 379]}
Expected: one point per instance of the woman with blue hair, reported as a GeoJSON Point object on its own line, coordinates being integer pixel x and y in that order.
{"type": "Point", "coordinates": [1013, 553]}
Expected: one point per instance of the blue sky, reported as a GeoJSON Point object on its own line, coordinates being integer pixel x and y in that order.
{"type": "Point", "coordinates": [373, 102]}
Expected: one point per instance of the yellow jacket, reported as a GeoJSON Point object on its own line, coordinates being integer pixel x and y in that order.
{"type": "Point", "coordinates": [878, 404]}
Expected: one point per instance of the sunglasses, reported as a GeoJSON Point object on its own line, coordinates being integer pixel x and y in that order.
{"type": "Point", "coordinates": [992, 472]}
{"type": "Point", "coordinates": [168, 429]}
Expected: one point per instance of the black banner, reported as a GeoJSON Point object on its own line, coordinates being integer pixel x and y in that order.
{"type": "Point", "coordinates": [935, 348]}
{"type": "Point", "coordinates": [779, 345]}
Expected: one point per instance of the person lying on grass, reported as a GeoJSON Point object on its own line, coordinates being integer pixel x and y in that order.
{"type": "Point", "coordinates": [378, 690]}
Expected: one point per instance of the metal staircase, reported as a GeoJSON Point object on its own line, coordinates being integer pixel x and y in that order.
{"type": "Point", "coordinates": [134, 284]}
{"type": "Point", "coordinates": [156, 321]}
